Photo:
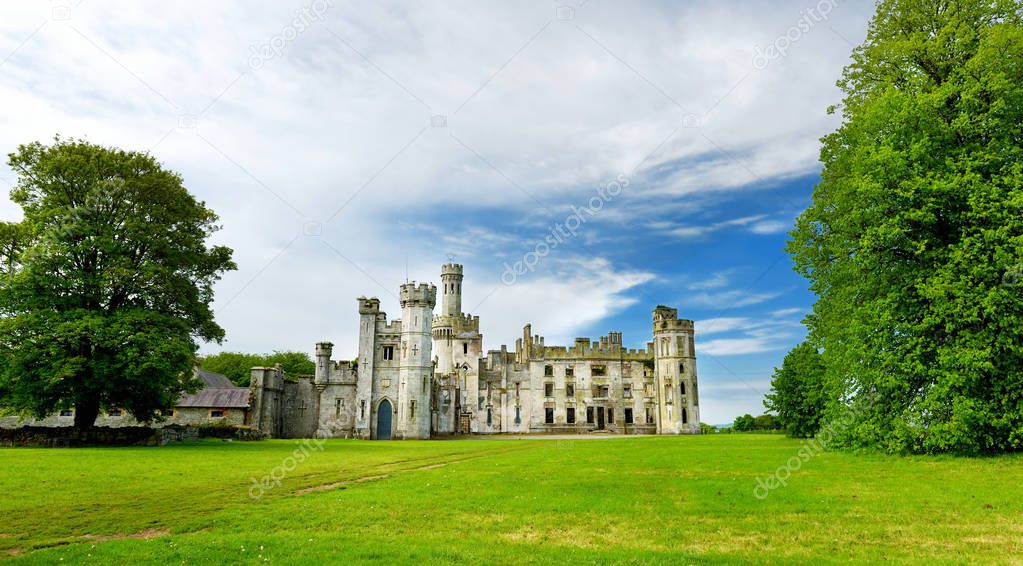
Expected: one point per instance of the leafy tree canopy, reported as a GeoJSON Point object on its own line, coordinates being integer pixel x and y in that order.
{"type": "Point", "coordinates": [109, 283]}
{"type": "Point", "coordinates": [236, 365]}
{"type": "Point", "coordinates": [798, 391]}
{"type": "Point", "coordinates": [913, 241]}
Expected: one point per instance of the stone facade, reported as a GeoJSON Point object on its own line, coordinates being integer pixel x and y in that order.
{"type": "Point", "coordinates": [427, 374]}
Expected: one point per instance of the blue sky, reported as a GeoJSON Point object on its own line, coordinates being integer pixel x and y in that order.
{"type": "Point", "coordinates": [346, 143]}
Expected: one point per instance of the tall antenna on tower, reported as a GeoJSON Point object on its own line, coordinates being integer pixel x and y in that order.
{"type": "Point", "coordinates": [406, 267]}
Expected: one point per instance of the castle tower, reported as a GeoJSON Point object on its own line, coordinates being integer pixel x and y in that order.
{"type": "Point", "coordinates": [369, 311]}
{"type": "Point", "coordinates": [415, 371]}
{"type": "Point", "coordinates": [323, 353]}
{"type": "Point", "coordinates": [451, 296]}
{"type": "Point", "coordinates": [675, 370]}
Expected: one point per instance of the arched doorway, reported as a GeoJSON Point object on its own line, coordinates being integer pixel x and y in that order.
{"type": "Point", "coordinates": [384, 412]}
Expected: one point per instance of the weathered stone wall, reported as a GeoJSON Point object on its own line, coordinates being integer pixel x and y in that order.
{"type": "Point", "coordinates": [301, 409]}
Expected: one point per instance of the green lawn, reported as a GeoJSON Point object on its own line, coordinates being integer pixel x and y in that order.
{"type": "Point", "coordinates": [628, 500]}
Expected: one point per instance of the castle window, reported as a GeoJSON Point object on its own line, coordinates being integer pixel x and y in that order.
{"type": "Point", "coordinates": [599, 370]}
{"type": "Point", "coordinates": [589, 415]}
{"type": "Point", "coordinates": [216, 414]}
{"type": "Point", "coordinates": [685, 416]}
{"type": "Point", "coordinates": [570, 415]}
{"type": "Point", "coordinates": [602, 391]}
{"type": "Point", "coordinates": [548, 416]}
{"type": "Point", "coordinates": [682, 388]}
{"type": "Point", "coordinates": [681, 369]}
{"type": "Point", "coordinates": [649, 415]}
{"type": "Point", "coordinates": [465, 347]}
{"type": "Point", "coordinates": [338, 405]}
{"type": "Point", "coordinates": [490, 416]}
{"type": "Point", "coordinates": [362, 409]}
{"type": "Point", "coordinates": [610, 415]}
{"type": "Point", "coordinates": [628, 415]}
{"type": "Point", "coordinates": [412, 410]}
{"type": "Point", "coordinates": [388, 352]}
{"type": "Point", "coordinates": [518, 386]}
{"type": "Point", "coordinates": [570, 371]}
{"type": "Point", "coordinates": [627, 391]}
{"type": "Point", "coordinates": [548, 390]}
{"type": "Point", "coordinates": [548, 371]}
{"type": "Point", "coordinates": [518, 415]}
{"type": "Point", "coordinates": [569, 390]}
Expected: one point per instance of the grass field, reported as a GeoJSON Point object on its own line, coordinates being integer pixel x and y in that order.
{"type": "Point", "coordinates": [624, 500]}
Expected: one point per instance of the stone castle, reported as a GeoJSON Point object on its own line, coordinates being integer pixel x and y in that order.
{"type": "Point", "coordinates": [426, 375]}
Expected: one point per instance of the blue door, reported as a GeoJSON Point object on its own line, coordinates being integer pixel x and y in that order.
{"type": "Point", "coordinates": [384, 412]}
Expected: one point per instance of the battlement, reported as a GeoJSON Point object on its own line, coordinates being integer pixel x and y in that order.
{"type": "Point", "coordinates": [385, 327]}
{"type": "Point", "coordinates": [451, 269]}
{"type": "Point", "coordinates": [324, 349]}
{"type": "Point", "coordinates": [457, 324]}
{"type": "Point", "coordinates": [662, 312]}
{"type": "Point", "coordinates": [673, 325]}
{"type": "Point", "coordinates": [418, 294]}
{"type": "Point", "coordinates": [369, 305]}
{"type": "Point", "coordinates": [609, 346]}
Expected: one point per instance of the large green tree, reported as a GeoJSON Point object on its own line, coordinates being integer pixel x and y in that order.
{"type": "Point", "coordinates": [111, 285]}
{"type": "Point", "coordinates": [914, 237]}
{"type": "Point", "coordinates": [798, 391]}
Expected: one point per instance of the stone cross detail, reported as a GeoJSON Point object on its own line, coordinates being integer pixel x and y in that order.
{"type": "Point", "coordinates": [415, 349]}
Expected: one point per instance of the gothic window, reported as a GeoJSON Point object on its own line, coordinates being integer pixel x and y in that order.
{"type": "Point", "coordinates": [388, 352]}
{"type": "Point", "coordinates": [628, 415]}
{"type": "Point", "coordinates": [682, 369]}
{"type": "Point", "coordinates": [685, 416]}
{"type": "Point", "coordinates": [412, 410]}
{"type": "Point", "coordinates": [548, 416]}
{"type": "Point", "coordinates": [490, 416]}
{"type": "Point", "coordinates": [518, 415]}
{"type": "Point", "coordinates": [682, 388]}
{"type": "Point", "coordinates": [548, 390]}
{"type": "Point", "coordinates": [570, 415]}
{"type": "Point", "coordinates": [465, 347]}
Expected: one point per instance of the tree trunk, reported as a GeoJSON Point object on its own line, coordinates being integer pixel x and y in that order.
{"type": "Point", "coordinates": [86, 411]}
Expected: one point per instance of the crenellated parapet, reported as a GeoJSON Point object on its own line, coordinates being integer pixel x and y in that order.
{"type": "Point", "coordinates": [418, 295]}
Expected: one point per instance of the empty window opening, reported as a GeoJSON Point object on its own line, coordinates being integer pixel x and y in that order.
{"type": "Point", "coordinates": [548, 416]}
{"type": "Point", "coordinates": [216, 414]}
{"type": "Point", "coordinates": [465, 347]}
{"type": "Point", "coordinates": [685, 416]}
{"type": "Point", "coordinates": [589, 415]}
{"type": "Point", "coordinates": [610, 416]}
{"type": "Point", "coordinates": [548, 390]}
{"type": "Point", "coordinates": [490, 416]}
{"type": "Point", "coordinates": [518, 415]}
{"type": "Point", "coordinates": [627, 391]}
{"type": "Point", "coordinates": [570, 415]}
{"type": "Point", "coordinates": [548, 371]}
{"type": "Point", "coordinates": [388, 352]}
{"type": "Point", "coordinates": [338, 405]}
{"type": "Point", "coordinates": [569, 371]}
{"type": "Point", "coordinates": [599, 370]}
{"type": "Point", "coordinates": [570, 390]}
{"type": "Point", "coordinates": [649, 416]}
{"type": "Point", "coordinates": [682, 388]}
{"type": "Point", "coordinates": [628, 415]}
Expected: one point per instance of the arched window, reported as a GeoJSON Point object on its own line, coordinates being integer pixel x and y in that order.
{"type": "Point", "coordinates": [682, 388]}
{"type": "Point", "coordinates": [685, 417]}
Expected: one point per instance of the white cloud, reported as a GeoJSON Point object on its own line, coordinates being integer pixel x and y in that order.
{"type": "Point", "coordinates": [738, 346]}
{"type": "Point", "coordinates": [770, 227]}
{"type": "Point", "coordinates": [535, 107]}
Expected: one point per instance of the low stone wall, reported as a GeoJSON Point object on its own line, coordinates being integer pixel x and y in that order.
{"type": "Point", "coordinates": [68, 437]}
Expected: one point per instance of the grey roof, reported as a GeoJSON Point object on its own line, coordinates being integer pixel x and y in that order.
{"type": "Point", "coordinates": [218, 393]}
